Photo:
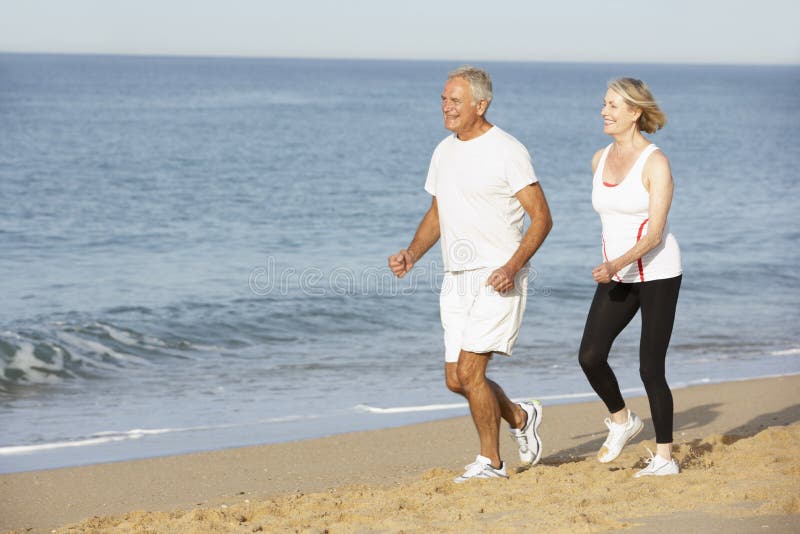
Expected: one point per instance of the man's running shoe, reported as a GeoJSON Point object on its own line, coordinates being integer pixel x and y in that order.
{"type": "Point", "coordinates": [527, 437]}
{"type": "Point", "coordinates": [481, 468]}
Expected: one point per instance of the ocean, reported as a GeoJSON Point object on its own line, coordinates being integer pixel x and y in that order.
{"type": "Point", "coordinates": [193, 250]}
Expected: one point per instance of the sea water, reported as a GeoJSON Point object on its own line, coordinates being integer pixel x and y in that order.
{"type": "Point", "coordinates": [193, 251]}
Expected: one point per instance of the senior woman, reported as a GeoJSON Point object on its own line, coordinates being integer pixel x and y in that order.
{"type": "Point", "coordinates": [641, 268]}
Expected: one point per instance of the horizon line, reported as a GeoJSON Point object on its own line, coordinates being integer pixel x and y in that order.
{"type": "Point", "coordinates": [396, 59]}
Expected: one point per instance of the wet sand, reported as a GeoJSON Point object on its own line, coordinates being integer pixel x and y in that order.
{"type": "Point", "coordinates": [737, 444]}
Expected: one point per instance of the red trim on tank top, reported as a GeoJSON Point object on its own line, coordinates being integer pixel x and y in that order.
{"type": "Point", "coordinates": [639, 261]}
{"type": "Point", "coordinates": [610, 185]}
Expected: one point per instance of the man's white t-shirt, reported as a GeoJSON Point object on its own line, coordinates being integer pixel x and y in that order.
{"type": "Point", "coordinates": [474, 183]}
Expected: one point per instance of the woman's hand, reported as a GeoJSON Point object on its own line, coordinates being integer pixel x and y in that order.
{"type": "Point", "coordinates": [604, 272]}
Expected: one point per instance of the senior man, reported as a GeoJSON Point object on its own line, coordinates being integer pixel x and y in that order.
{"type": "Point", "coordinates": [483, 183]}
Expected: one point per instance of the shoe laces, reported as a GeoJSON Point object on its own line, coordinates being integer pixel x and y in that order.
{"type": "Point", "coordinates": [614, 429]}
{"type": "Point", "coordinates": [473, 469]}
{"type": "Point", "coordinates": [522, 439]}
{"type": "Point", "coordinates": [650, 463]}
{"type": "Point", "coordinates": [609, 423]}
{"type": "Point", "coordinates": [618, 427]}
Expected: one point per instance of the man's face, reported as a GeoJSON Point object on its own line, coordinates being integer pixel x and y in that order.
{"type": "Point", "coordinates": [460, 113]}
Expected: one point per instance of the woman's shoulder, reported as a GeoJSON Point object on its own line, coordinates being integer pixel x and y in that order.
{"type": "Point", "coordinates": [656, 169]}
{"type": "Point", "coordinates": [656, 160]}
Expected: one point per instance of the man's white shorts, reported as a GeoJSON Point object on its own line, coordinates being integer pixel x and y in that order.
{"type": "Point", "coordinates": [475, 317]}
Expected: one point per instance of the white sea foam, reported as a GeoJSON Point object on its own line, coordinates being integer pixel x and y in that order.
{"type": "Point", "coordinates": [111, 436]}
{"type": "Point", "coordinates": [82, 345]}
{"type": "Point", "coordinates": [560, 397]}
{"type": "Point", "coordinates": [458, 405]}
{"type": "Point", "coordinates": [125, 337]}
{"type": "Point", "coordinates": [118, 335]}
{"type": "Point", "coordinates": [788, 352]}
{"type": "Point", "coordinates": [408, 409]}
{"type": "Point", "coordinates": [36, 371]}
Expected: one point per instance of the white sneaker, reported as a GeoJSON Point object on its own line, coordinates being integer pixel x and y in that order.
{"type": "Point", "coordinates": [481, 468]}
{"type": "Point", "coordinates": [618, 436]}
{"type": "Point", "coordinates": [527, 437]}
{"type": "Point", "coordinates": [658, 466]}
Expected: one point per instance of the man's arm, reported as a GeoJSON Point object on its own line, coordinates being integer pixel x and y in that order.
{"type": "Point", "coordinates": [535, 204]}
{"type": "Point", "coordinates": [427, 235]}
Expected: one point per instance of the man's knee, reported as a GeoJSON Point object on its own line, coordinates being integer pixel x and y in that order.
{"type": "Point", "coordinates": [453, 384]}
{"type": "Point", "coordinates": [469, 377]}
{"type": "Point", "coordinates": [451, 378]}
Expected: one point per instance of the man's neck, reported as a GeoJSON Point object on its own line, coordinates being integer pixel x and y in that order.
{"type": "Point", "coordinates": [476, 130]}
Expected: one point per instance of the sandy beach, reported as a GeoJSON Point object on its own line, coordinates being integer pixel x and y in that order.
{"type": "Point", "coordinates": [737, 444]}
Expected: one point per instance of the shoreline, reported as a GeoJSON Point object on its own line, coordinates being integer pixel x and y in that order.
{"type": "Point", "coordinates": [409, 414]}
{"type": "Point", "coordinates": [390, 457]}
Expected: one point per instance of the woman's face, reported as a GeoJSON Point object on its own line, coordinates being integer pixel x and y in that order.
{"type": "Point", "coordinates": [617, 115]}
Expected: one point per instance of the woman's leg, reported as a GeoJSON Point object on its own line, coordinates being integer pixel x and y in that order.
{"type": "Point", "coordinates": [659, 299]}
{"type": "Point", "coordinates": [613, 307]}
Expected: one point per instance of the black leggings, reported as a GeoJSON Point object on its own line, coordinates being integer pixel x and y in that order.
{"type": "Point", "coordinates": [613, 307]}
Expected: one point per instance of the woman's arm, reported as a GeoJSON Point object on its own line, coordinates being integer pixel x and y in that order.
{"type": "Point", "coordinates": [657, 179]}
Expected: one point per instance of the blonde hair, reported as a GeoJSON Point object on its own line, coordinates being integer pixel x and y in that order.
{"type": "Point", "coordinates": [637, 95]}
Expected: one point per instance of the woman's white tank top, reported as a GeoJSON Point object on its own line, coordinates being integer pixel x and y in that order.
{"type": "Point", "coordinates": [624, 212]}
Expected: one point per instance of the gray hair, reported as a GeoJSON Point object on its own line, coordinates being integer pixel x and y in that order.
{"type": "Point", "coordinates": [480, 83]}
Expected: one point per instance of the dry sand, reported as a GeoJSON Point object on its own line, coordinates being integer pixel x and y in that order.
{"type": "Point", "coordinates": [738, 447]}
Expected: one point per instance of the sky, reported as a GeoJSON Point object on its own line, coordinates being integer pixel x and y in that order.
{"type": "Point", "coordinates": [676, 31]}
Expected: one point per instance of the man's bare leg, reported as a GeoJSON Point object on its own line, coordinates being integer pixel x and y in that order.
{"type": "Point", "coordinates": [509, 410]}
{"type": "Point", "coordinates": [484, 404]}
